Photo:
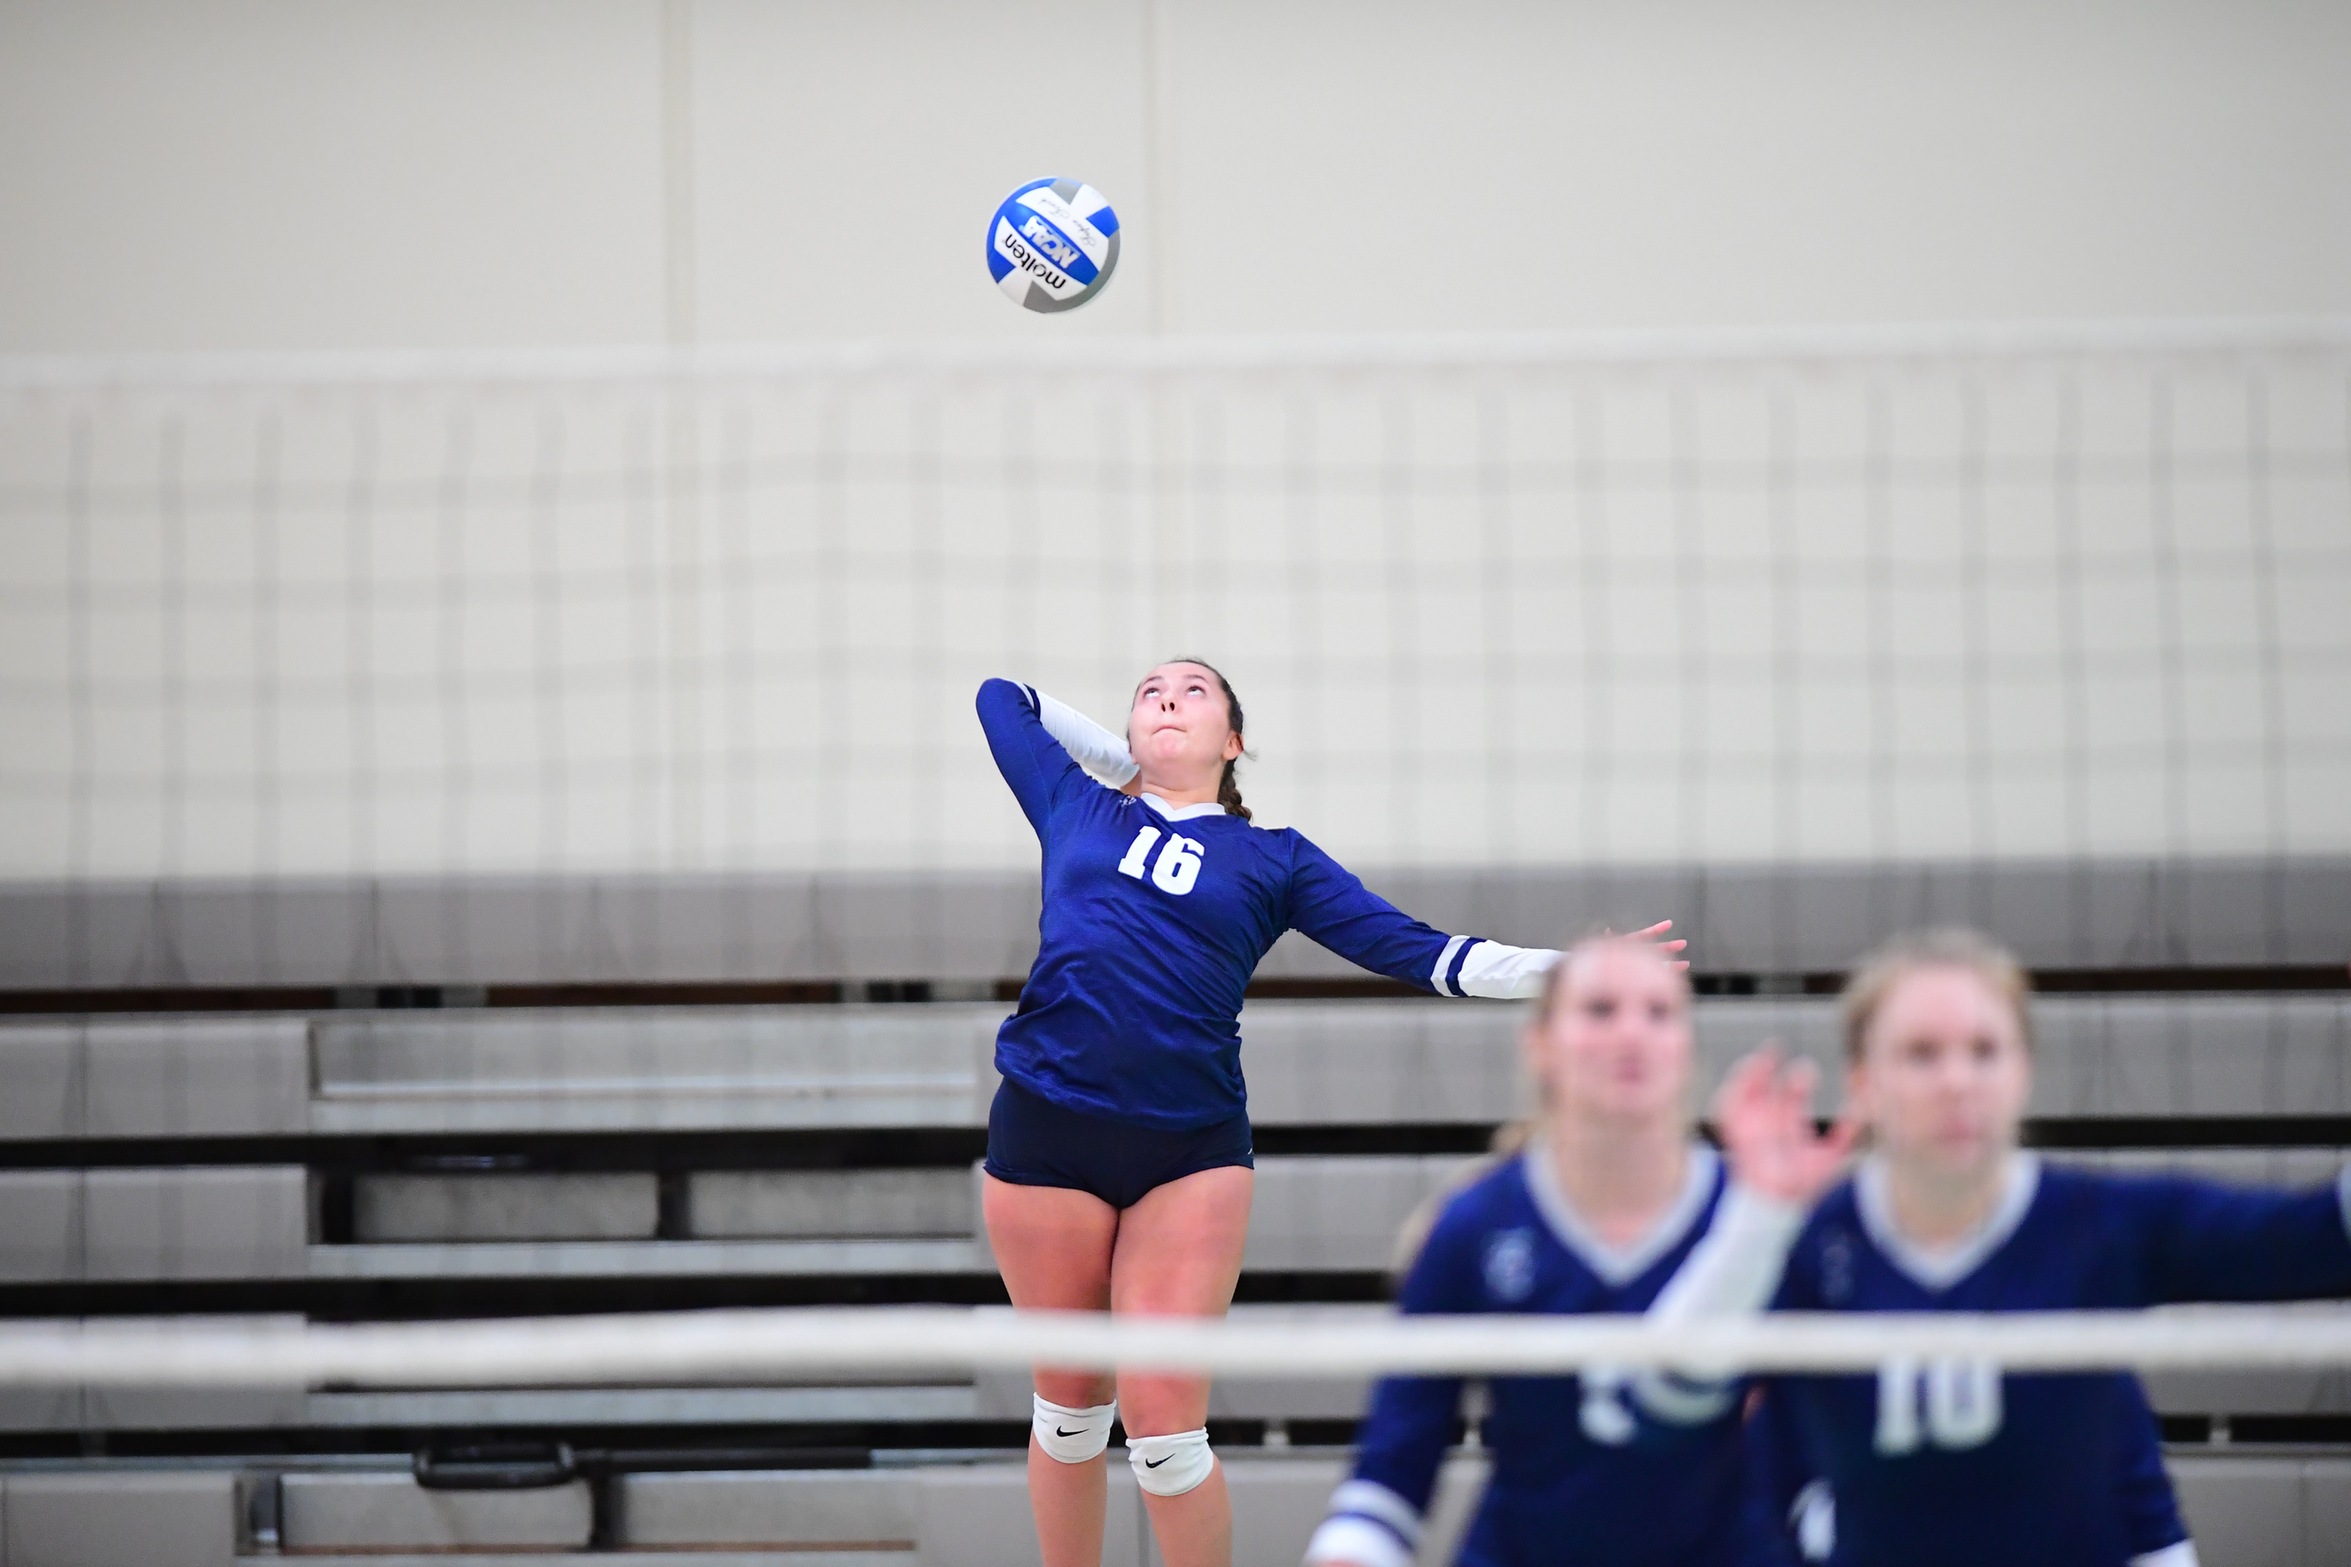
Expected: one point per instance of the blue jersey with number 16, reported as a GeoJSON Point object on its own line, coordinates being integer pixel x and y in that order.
{"type": "Point", "coordinates": [1155, 917]}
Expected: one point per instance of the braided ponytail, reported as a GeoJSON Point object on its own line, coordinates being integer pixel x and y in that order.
{"type": "Point", "coordinates": [1228, 787]}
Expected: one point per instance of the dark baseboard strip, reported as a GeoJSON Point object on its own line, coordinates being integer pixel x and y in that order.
{"type": "Point", "coordinates": [2231, 979]}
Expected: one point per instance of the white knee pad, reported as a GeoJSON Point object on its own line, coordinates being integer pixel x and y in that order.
{"type": "Point", "coordinates": [1072, 1436]}
{"type": "Point", "coordinates": [1170, 1465]}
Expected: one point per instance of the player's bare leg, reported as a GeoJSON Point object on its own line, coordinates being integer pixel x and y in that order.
{"type": "Point", "coordinates": [1179, 1254]}
{"type": "Point", "coordinates": [1054, 1247]}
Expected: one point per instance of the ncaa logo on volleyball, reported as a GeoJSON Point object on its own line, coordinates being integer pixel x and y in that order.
{"type": "Point", "coordinates": [1053, 244]}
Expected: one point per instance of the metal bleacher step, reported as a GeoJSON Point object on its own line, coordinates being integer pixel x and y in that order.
{"type": "Point", "coordinates": [1309, 1063]}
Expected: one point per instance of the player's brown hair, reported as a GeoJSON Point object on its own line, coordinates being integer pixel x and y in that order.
{"type": "Point", "coordinates": [1873, 979]}
{"type": "Point", "coordinates": [1228, 787]}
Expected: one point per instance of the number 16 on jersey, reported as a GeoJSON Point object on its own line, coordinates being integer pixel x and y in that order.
{"type": "Point", "coordinates": [1179, 861]}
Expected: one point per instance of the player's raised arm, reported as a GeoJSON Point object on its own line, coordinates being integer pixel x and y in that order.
{"type": "Point", "coordinates": [1037, 765]}
{"type": "Point", "coordinates": [1090, 745]}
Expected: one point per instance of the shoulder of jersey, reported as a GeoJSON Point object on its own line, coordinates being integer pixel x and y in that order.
{"type": "Point", "coordinates": [1492, 1194]}
{"type": "Point", "coordinates": [1838, 1206]}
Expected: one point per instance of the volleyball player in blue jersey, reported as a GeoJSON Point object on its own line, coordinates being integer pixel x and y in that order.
{"type": "Point", "coordinates": [1595, 1214]}
{"type": "Point", "coordinates": [1118, 1173]}
{"type": "Point", "coordinates": [1951, 1461]}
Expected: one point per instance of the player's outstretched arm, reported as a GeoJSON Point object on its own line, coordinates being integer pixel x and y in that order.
{"type": "Point", "coordinates": [1780, 1165]}
{"type": "Point", "coordinates": [2204, 1241]}
{"type": "Point", "coordinates": [1329, 903]}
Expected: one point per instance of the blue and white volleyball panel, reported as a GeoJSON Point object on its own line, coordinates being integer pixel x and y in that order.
{"type": "Point", "coordinates": [1053, 244]}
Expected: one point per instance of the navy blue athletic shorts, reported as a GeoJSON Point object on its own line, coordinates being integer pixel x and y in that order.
{"type": "Point", "coordinates": [1034, 1142]}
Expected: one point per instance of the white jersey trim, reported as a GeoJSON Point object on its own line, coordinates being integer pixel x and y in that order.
{"type": "Point", "coordinates": [2181, 1555]}
{"type": "Point", "coordinates": [1444, 962]}
{"type": "Point", "coordinates": [1374, 1500]}
{"type": "Point", "coordinates": [1619, 1264]}
{"type": "Point", "coordinates": [1940, 1267]}
{"type": "Point", "coordinates": [1355, 1541]}
{"type": "Point", "coordinates": [1182, 813]}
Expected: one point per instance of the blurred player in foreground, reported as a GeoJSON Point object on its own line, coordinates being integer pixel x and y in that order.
{"type": "Point", "coordinates": [1119, 1166]}
{"type": "Point", "coordinates": [1603, 1204]}
{"type": "Point", "coordinates": [1951, 1462]}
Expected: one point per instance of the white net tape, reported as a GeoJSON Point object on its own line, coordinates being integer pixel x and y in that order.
{"type": "Point", "coordinates": [715, 1345]}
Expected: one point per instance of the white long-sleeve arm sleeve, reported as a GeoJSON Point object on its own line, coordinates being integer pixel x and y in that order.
{"type": "Point", "coordinates": [1734, 1271]}
{"type": "Point", "coordinates": [1504, 973]}
{"type": "Point", "coordinates": [1091, 746]}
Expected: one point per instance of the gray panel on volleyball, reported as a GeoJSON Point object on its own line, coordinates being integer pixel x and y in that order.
{"type": "Point", "coordinates": [2246, 1512]}
{"type": "Point", "coordinates": [656, 1069]}
{"type": "Point", "coordinates": [504, 1207]}
{"type": "Point", "coordinates": [388, 1512]}
{"type": "Point", "coordinates": [982, 925]}
{"type": "Point", "coordinates": [818, 1203]}
{"type": "Point", "coordinates": [119, 1517]}
{"type": "Point", "coordinates": [977, 1515]}
{"type": "Point", "coordinates": [771, 1509]}
{"type": "Point", "coordinates": [200, 1222]}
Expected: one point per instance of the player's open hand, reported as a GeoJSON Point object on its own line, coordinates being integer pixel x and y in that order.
{"type": "Point", "coordinates": [1661, 935]}
{"type": "Point", "coordinates": [1763, 1113]}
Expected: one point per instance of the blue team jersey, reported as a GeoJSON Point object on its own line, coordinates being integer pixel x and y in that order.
{"type": "Point", "coordinates": [1154, 919]}
{"type": "Point", "coordinates": [1955, 1463]}
{"type": "Point", "coordinates": [1578, 1475]}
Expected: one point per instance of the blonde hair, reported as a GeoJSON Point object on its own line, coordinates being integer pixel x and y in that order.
{"type": "Point", "coordinates": [1511, 1138]}
{"type": "Point", "coordinates": [1873, 979]}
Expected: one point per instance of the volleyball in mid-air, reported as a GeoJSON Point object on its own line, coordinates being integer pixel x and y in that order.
{"type": "Point", "coordinates": [1053, 244]}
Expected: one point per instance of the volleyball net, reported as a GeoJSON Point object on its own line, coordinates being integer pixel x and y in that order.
{"type": "Point", "coordinates": [686, 1347]}
{"type": "Point", "coordinates": [356, 648]}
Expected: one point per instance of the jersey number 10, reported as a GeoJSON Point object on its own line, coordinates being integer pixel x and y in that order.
{"type": "Point", "coordinates": [1179, 863]}
{"type": "Point", "coordinates": [1959, 1399]}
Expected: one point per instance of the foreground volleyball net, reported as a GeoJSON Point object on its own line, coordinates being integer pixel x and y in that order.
{"type": "Point", "coordinates": [751, 1345]}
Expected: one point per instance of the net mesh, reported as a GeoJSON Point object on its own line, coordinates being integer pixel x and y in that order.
{"type": "Point", "coordinates": [1998, 600]}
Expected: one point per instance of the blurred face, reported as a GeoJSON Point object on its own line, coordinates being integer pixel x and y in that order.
{"type": "Point", "coordinates": [1615, 1045]}
{"type": "Point", "coordinates": [1943, 1075]}
{"type": "Point", "coordinates": [1181, 727]}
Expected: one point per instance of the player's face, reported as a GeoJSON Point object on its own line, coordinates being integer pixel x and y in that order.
{"type": "Point", "coordinates": [1944, 1073]}
{"type": "Point", "coordinates": [1181, 724]}
{"type": "Point", "coordinates": [1616, 1045]}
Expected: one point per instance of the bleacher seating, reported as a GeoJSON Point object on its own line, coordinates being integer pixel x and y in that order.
{"type": "Point", "coordinates": [403, 1163]}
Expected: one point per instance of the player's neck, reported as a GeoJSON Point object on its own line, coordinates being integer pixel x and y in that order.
{"type": "Point", "coordinates": [1178, 793]}
{"type": "Point", "coordinates": [1621, 1178]}
{"type": "Point", "coordinates": [1934, 1209]}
